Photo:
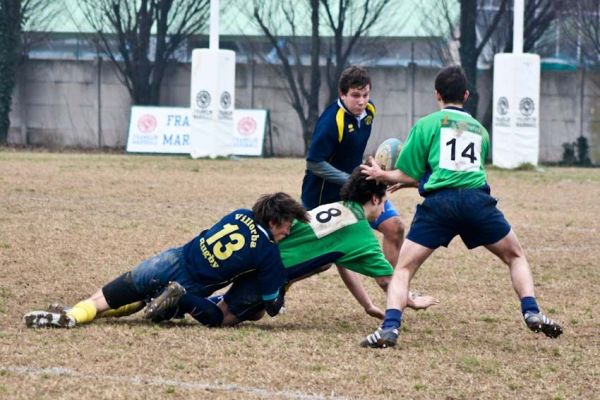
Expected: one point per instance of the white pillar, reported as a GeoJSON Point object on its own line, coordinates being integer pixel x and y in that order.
{"type": "Point", "coordinates": [519, 12]}
{"type": "Point", "coordinates": [214, 25]}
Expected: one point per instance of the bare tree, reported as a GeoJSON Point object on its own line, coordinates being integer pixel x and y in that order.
{"type": "Point", "coordinates": [349, 22]}
{"type": "Point", "coordinates": [38, 17]}
{"type": "Point", "coordinates": [302, 82]}
{"type": "Point", "coordinates": [17, 19]}
{"type": "Point", "coordinates": [286, 24]}
{"type": "Point", "coordinates": [472, 37]}
{"type": "Point", "coordinates": [583, 28]}
{"type": "Point", "coordinates": [141, 38]}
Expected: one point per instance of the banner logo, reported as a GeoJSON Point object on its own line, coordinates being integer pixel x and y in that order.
{"type": "Point", "coordinates": [203, 99]}
{"type": "Point", "coordinates": [225, 100]}
{"type": "Point", "coordinates": [502, 106]}
{"type": "Point", "coordinates": [246, 126]}
{"type": "Point", "coordinates": [146, 123]}
{"type": "Point", "coordinates": [526, 106]}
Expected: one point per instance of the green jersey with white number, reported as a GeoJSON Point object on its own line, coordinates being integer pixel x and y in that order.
{"type": "Point", "coordinates": [336, 233]}
{"type": "Point", "coordinates": [446, 149]}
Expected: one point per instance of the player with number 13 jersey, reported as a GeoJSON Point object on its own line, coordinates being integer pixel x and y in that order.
{"type": "Point", "coordinates": [231, 247]}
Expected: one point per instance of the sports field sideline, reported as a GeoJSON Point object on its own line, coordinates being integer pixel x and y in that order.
{"type": "Point", "coordinates": [69, 222]}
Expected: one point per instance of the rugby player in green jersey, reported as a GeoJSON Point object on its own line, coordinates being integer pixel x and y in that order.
{"type": "Point", "coordinates": [337, 233]}
{"type": "Point", "coordinates": [444, 156]}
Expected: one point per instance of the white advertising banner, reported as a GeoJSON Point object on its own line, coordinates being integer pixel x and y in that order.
{"type": "Point", "coordinates": [159, 130]}
{"type": "Point", "coordinates": [249, 133]}
{"type": "Point", "coordinates": [516, 129]}
{"type": "Point", "coordinates": [212, 102]}
{"type": "Point", "coordinates": [168, 130]}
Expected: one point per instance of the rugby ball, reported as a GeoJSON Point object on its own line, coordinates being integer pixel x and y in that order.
{"type": "Point", "coordinates": [387, 153]}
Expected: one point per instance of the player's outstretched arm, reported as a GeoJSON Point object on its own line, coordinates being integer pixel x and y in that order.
{"type": "Point", "coordinates": [354, 284]}
{"type": "Point", "coordinates": [373, 171]}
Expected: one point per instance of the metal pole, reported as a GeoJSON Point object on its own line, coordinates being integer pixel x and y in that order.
{"type": "Point", "coordinates": [214, 25]}
{"type": "Point", "coordinates": [519, 11]}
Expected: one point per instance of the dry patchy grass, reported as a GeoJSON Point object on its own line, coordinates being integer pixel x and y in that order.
{"type": "Point", "coordinates": [71, 222]}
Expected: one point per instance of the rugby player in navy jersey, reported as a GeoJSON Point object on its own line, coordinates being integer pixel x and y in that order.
{"type": "Point", "coordinates": [241, 242]}
{"type": "Point", "coordinates": [337, 147]}
{"type": "Point", "coordinates": [337, 233]}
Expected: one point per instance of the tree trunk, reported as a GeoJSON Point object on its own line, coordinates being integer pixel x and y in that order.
{"type": "Point", "coordinates": [315, 77]}
{"type": "Point", "coordinates": [10, 33]}
{"type": "Point", "coordinates": [468, 51]}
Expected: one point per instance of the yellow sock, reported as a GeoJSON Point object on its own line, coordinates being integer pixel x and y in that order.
{"type": "Point", "coordinates": [83, 312]}
{"type": "Point", "coordinates": [122, 311]}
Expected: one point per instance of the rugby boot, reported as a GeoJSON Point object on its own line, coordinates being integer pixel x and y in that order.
{"type": "Point", "coordinates": [381, 338]}
{"type": "Point", "coordinates": [47, 319]}
{"type": "Point", "coordinates": [168, 299]}
{"type": "Point", "coordinates": [538, 322]}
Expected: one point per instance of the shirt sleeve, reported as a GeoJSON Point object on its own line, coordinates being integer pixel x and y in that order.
{"type": "Point", "coordinates": [270, 271]}
{"type": "Point", "coordinates": [413, 157]}
{"type": "Point", "coordinates": [324, 140]}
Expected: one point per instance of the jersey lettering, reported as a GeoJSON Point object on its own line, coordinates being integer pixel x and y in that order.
{"type": "Point", "coordinates": [459, 150]}
{"type": "Point", "coordinates": [235, 242]}
{"type": "Point", "coordinates": [329, 218]}
{"type": "Point", "coordinates": [325, 216]}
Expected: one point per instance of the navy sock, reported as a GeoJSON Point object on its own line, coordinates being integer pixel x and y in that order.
{"type": "Point", "coordinates": [203, 310]}
{"type": "Point", "coordinates": [215, 299]}
{"type": "Point", "coordinates": [393, 318]}
{"type": "Point", "coordinates": [528, 304]}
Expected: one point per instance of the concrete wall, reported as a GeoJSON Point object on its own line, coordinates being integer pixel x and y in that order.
{"type": "Point", "coordinates": [61, 103]}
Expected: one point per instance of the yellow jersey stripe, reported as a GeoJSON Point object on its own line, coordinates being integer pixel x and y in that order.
{"type": "Point", "coordinates": [339, 119]}
{"type": "Point", "coordinates": [371, 108]}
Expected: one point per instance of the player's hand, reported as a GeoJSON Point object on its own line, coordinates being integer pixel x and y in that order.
{"type": "Point", "coordinates": [400, 185]}
{"type": "Point", "coordinates": [375, 311]}
{"type": "Point", "coordinates": [371, 168]}
{"type": "Point", "coordinates": [418, 301]}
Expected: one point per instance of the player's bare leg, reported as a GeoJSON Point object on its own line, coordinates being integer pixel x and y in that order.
{"type": "Point", "coordinates": [509, 250]}
{"type": "Point", "coordinates": [412, 255]}
{"type": "Point", "coordinates": [393, 235]}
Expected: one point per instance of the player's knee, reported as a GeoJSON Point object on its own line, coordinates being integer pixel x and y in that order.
{"type": "Point", "coordinates": [121, 291]}
{"type": "Point", "coordinates": [393, 229]}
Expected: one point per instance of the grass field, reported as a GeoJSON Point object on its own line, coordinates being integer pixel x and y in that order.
{"type": "Point", "coordinates": [71, 222]}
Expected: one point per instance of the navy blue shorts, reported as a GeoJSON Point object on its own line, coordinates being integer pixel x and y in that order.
{"type": "Point", "coordinates": [388, 212]}
{"type": "Point", "coordinates": [470, 213]}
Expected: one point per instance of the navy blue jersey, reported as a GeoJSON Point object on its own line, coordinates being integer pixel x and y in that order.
{"type": "Point", "coordinates": [340, 139]}
{"type": "Point", "coordinates": [234, 246]}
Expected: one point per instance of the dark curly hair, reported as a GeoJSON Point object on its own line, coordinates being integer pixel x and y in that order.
{"type": "Point", "coordinates": [361, 190]}
{"type": "Point", "coordinates": [277, 208]}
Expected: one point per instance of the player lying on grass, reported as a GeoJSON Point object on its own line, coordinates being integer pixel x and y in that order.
{"type": "Point", "coordinates": [241, 242]}
{"type": "Point", "coordinates": [337, 233]}
{"type": "Point", "coordinates": [445, 154]}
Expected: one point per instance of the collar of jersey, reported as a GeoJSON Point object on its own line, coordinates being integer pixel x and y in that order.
{"type": "Point", "coordinates": [455, 109]}
{"type": "Point", "coordinates": [360, 117]}
{"type": "Point", "coordinates": [267, 232]}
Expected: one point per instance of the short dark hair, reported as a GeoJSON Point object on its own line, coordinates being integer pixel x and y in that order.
{"type": "Point", "coordinates": [451, 84]}
{"type": "Point", "coordinates": [361, 190]}
{"type": "Point", "coordinates": [354, 77]}
{"type": "Point", "coordinates": [277, 208]}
